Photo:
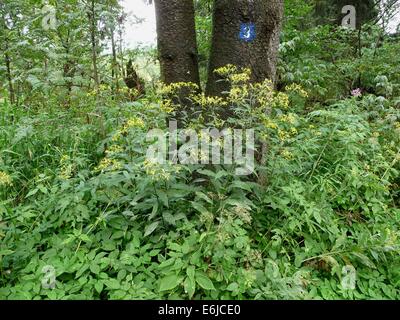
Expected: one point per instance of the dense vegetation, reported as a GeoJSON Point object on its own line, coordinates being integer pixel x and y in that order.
{"type": "Point", "coordinates": [77, 194]}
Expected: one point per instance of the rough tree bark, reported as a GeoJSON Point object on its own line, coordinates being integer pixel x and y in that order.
{"type": "Point", "coordinates": [177, 41]}
{"type": "Point", "coordinates": [235, 24]}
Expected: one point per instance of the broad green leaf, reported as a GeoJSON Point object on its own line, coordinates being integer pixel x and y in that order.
{"type": "Point", "coordinates": [169, 282]}
{"type": "Point", "coordinates": [151, 228]}
{"type": "Point", "coordinates": [204, 281]}
{"type": "Point", "coordinates": [189, 286]}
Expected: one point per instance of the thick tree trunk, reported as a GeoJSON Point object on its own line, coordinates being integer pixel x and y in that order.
{"type": "Point", "coordinates": [245, 34]}
{"type": "Point", "coordinates": [177, 41]}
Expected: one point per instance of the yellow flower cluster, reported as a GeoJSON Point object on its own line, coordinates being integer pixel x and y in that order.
{"type": "Point", "coordinates": [91, 93]}
{"type": "Point", "coordinates": [243, 76]}
{"type": "Point", "coordinates": [204, 101]}
{"type": "Point", "coordinates": [114, 149]}
{"type": "Point", "coordinates": [286, 135]}
{"type": "Point", "coordinates": [296, 88]}
{"type": "Point", "coordinates": [157, 172]}
{"type": "Point", "coordinates": [226, 70]}
{"type": "Point", "coordinates": [109, 165]}
{"type": "Point", "coordinates": [104, 87]}
{"type": "Point", "coordinates": [269, 123]}
{"type": "Point", "coordinates": [281, 101]}
{"type": "Point", "coordinates": [288, 118]}
{"type": "Point", "coordinates": [5, 179]}
{"type": "Point", "coordinates": [167, 106]}
{"type": "Point", "coordinates": [237, 94]}
{"type": "Point", "coordinates": [134, 122]}
{"type": "Point", "coordinates": [287, 154]}
{"type": "Point", "coordinates": [283, 135]}
{"type": "Point", "coordinates": [174, 87]}
{"type": "Point", "coordinates": [264, 92]}
{"type": "Point", "coordinates": [66, 167]}
{"type": "Point", "coordinates": [234, 75]}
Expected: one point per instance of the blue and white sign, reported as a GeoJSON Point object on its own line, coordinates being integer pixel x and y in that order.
{"type": "Point", "coordinates": [247, 32]}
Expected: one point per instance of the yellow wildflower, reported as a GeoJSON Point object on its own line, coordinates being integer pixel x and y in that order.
{"type": "Point", "coordinates": [296, 88]}
{"type": "Point", "coordinates": [226, 70]}
{"type": "Point", "coordinates": [166, 106]}
{"type": "Point", "coordinates": [289, 118]}
{"type": "Point", "coordinates": [173, 88]}
{"type": "Point", "coordinates": [283, 135]}
{"type": "Point", "coordinates": [287, 154]}
{"type": "Point", "coordinates": [108, 164]}
{"type": "Point", "coordinates": [238, 93]}
{"type": "Point", "coordinates": [135, 122]}
{"type": "Point", "coordinates": [5, 179]}
{"type": "Point", "coordinates": [205, 101]}
{"type": "Point", "coordinates": [156, 171]}
{"type": "Point", "coordinates": [114, 149]}
{"type": "Point", "coordinates": [243, 76]}
{"type": "Point", "coordinates": [270, 124]}
{"type": "Point", "coordinates": [281, 100]}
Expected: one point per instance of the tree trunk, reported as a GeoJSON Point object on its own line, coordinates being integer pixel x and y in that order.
{"type": "Point", "coordinates": [114, 64]}
{"type": "Point", "coordinates": [92, 18]}
{"type": "Point", "coordinates": [9, 75]}
{"type": "Point", "coordinates": [177, 41]}
{"type": "Point", "coordinates": [245, 34]}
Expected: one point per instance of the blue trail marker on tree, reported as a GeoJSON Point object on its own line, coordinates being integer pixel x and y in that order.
{"type": "Point", "coordinates": [247, 32]}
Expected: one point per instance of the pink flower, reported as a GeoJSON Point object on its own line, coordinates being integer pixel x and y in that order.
{"type": "Point", "coordinates": [356, 92]}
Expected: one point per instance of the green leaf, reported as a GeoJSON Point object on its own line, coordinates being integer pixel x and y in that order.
{"type": "Point", "coordinates": [31, 193]}
{"type": "Point", "coordinates": [233, 287]}
{"type": "Point", "coordinates": [199, 207]}
{"type": "Point", "coordinates": [190, 287]}
{"type": "Point", "coordinates": [169, 282]}
{"type": "Point", "coordinates": [95, 268]}
{"type": "Point", "coordinates": [151, 228]}
{"type": "Point", "coordinates": [190, 271]}
{"type": "Point", "coordinates": [99, 286]}
{"type": "Point", "coordinates": [112, 284]}
{"type": "Point", "coordinates": [204, 281]}
{"type": "Point", "coordinates": [364, 259]}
